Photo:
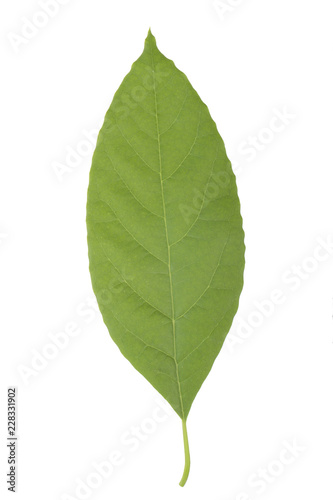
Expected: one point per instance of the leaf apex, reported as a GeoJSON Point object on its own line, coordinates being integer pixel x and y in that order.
{"type": "Point", "coordinates": [150, 40]}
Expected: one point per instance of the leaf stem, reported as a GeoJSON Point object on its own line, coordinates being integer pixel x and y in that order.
{"type": "Point", "coordinates": [187, 455]}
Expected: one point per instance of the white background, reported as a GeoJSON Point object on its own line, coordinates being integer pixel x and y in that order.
{"type": "Point", "coordinates": [248, 60]}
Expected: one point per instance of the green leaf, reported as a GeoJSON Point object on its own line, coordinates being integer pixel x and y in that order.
{"type": "Point", "coordinates": [165, 237]}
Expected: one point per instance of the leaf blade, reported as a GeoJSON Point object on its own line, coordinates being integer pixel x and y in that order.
{"type": "Point", "coordinates": [165, 236]}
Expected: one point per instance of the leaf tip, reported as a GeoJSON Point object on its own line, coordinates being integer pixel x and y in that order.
{"type": "Point", "coordinates": [150, 40]}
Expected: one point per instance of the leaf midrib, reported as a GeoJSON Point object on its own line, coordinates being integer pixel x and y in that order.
{"type": "Point", "coordinates": [166, 234]}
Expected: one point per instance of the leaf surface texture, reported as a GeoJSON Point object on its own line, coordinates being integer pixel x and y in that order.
{"type": "Point", "coordinates": [165, 237]}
